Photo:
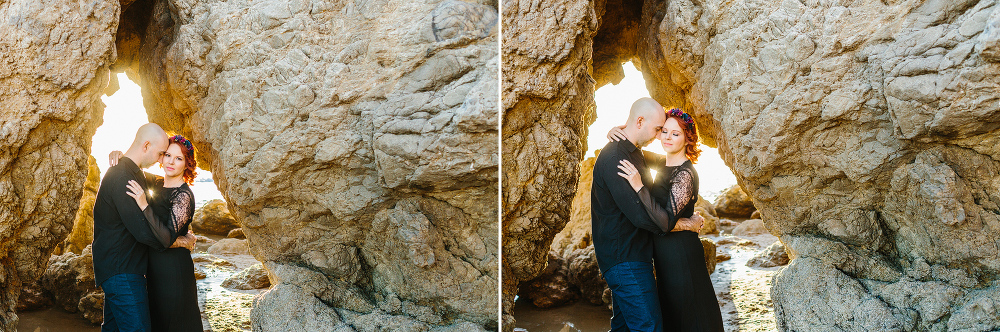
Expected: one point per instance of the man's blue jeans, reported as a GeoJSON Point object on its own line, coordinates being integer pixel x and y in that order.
{"type": "Point", "coordinates": [633, 295]}
{"type": "Point", "coordinates": [126, 304]}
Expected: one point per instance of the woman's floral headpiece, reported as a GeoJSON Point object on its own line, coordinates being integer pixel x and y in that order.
{"type": "Point", "coordinates": [182, 140]}
{"type": "Point", "coordinates": [684, 116]}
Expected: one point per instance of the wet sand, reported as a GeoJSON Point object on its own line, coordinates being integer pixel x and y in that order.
{"type": "Point", "coordinates": [744, 293]}
{"type": "Point", "coordinates": [53, 320]}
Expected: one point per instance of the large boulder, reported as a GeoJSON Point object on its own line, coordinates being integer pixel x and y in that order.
{"type": "Point", "coordinates": [229, 246]}
{"type": "Point", "coordinates": [734, 203]}
{"type": "Point", "coordinates": [253, 277]}
{"type": "Point", "coordinates": [214, 218]}
{"type": "Point", "coordinates": [552, 287]}
{"type": "Point", "coordinates": [871, 128]}
{"type": "Point", "coordinates": [773, 255]}
{"type": "Point", "coordinates": [69, 278]}
{"type": "Point", "coordinates": [56, 59]}
{"type": "Point", "coordinates": [356, 140]}
{"type": "Point", "coordinates": [750, 227]}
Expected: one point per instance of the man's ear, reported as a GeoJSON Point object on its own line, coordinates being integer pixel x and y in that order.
{"type": "Point", "coordinates": [146, 145]}
{"type": "Point", "coordinates": [639, 121]}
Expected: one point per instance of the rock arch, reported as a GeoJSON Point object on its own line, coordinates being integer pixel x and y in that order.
{"type": "Point", "coordinates": [866, 133]}
{"type": "Point", "coordinates": [356, 141]}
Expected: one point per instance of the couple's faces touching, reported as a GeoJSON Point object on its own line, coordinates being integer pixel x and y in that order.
{"type": "Point", "coordinates": [170, 157]}
{"type": "Point", "coordinates": [153, 151]}
{"type": "Point", "coordinates": [650, 126]}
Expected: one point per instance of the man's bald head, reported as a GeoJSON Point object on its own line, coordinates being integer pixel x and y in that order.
{"type": "Point", "coordinates": [645, 119]}
{"type": "Point", "coordinates": [149, 144]}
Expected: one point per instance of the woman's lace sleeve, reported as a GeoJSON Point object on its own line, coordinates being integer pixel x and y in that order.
{"type": "Point", "coordinates": [181, 209]}
{"type": "Point", "coordinates": [682, 190]}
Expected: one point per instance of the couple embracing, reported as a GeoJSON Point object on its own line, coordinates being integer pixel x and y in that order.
{"type": "Point", "coordinates": [142, 245]}
{"type": "Point", "coordinates": [645, 230]}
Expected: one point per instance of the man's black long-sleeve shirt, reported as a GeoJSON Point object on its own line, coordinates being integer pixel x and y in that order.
{"type": "Point", "coordinates": [620, 225]}
{"type": "Point", "coordinates": [123, 233]}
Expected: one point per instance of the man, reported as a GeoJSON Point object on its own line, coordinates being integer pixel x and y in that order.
{"type": "Point", "coordinates": [621, 227]}
{"type": "Point", "coordinates": [123, 234]}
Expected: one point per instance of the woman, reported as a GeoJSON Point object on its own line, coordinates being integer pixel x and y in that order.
{"type": "Point", "coordinates": [687, 298]}
{"type": "Point", "coordinates": [173, 293]}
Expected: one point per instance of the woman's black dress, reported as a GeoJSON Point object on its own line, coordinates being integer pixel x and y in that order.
{"type": "Point", "coordinates": [173, 294]}
{"type": "Point", "coordinates": [687, 298]}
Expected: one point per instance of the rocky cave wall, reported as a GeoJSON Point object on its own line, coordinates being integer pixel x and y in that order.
{"type": "Point", "coordinates": [865, 132]}
{"type": "Point", "coordinates": [53, 71]}
{"type": "Point", "coordinates": [356, 142]}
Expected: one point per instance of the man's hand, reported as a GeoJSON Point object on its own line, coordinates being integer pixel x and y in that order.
{"type": "Point", "coordinates": [693, 224]}
{"type": "Point", "coordinates": [186, 241]}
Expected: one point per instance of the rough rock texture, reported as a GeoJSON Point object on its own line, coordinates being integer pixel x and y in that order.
{"type": "Point", "coordinates": [69, 277]}
{"type": "Point", "coordinates": [33, 297]}
{"type": "Point", "coordinates": [253, 277]}
{"type": "Point", "coordinates": [774, 255]}
{"type": "Point", "coordinates": [707, 211]}
{"type": "Point", "coordinates": [870, 127]}
{"type": "Point", "coordinates": [734, 202]}
{"type": "Point", "coordinates": [354, 141]}
{"type": "Point", "coordinates": [236, 234]}
{"type": "Point", "coordinates": [213, 217]}
{"type": "Point", "coordinates": [229, 247]}
{"type": "Point", "coordinates": [750, 227]}
{"type": "Point", "coordinates": [53, 70]}
{"type": "Point", "coordinates": [552, 287]}
{"type": "Point", "coordinates": [709, 246]}
{"type": "Point", "coordinates": [82, 234]}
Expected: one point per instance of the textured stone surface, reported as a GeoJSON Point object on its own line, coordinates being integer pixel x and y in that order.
{"type": "Point", "coordinates": [53, 70]}
{"type": "Point", "coordinates": [253, 277]}
{"type": "Point", "coordinates": [355, 140]}
{"type": "Point", "coordinates": [552, 287]}
{"type": "Point", "coordinates": [236, 234]}
{"type": "Point", "coordinates": [214, 217]}
{"type": "Point", "coordinates": [734, 202]}
{"type": "Point", "coordinates": [82, 234]}
{"type": "Point", "coordinates": [773, 255]}
{"type": "Point", "coordinates": [229, 247]}
{"type": "Point", "coordinates": [866, 133]}
{"type": "Point", "coordinates": [750, 227]}
{"type": "Point", "coordinates": [69, 277]}
{"type": "Point", "coordinates": [320, 121]}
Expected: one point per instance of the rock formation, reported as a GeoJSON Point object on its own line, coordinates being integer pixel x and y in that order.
{"type": "Point", "coordinates": [734, 202]}
{"type": "Point", "coordinates": [253, 277]}
{"type": "Point", "coordinates": [54, 69]}
{"type": "Point", "coordinates": [774, 255]}
{"type": "Point", "coordinates": [82, 233]}
{"type": "Point", "coordinates": [214, 218]}
{"type": "Point", "coordinates": [70, 279]}
{"type": "Point", "coordinates": [867, 134]}
{"type": "Point", "coordinates": [355, 141]}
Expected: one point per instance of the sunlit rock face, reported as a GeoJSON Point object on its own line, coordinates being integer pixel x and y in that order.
{"type": "Point", "coordinates": [53, 71]}
{"type": "Point", "coordinates": [356, 142]}
{"type": "Point", "coordinates": [866, 133]}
